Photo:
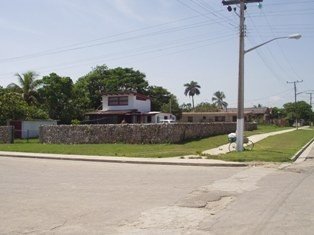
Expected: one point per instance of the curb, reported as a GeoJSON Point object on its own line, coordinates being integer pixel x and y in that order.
{"type": "Point", "coordinates": [298, 154]}
{"type": "Point", "coordinates": [212, 164]}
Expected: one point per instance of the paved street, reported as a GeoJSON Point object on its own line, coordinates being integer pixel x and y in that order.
{"type": "Point", "coordinates": [68, 197]}
{"type": "Point", "coordinates": [42, 196]}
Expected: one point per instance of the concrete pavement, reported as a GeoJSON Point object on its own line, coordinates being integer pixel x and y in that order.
{"type": "Point", "coordinates": [255, 138]}
{"type": "Point", "coordinates": [190, 160]}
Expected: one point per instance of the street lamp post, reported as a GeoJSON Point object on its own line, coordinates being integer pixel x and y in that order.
{"type": "Point", "coordinates": [242, 52]}
{"type": "Point", "coordinates": [240, 118]}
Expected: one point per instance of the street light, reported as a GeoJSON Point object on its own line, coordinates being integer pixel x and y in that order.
{"type": "Point", "coordinates": [242, 52]}
{"type": "Point", "coordinates": [292, 36]}
{"type": "Point", "coordinates": [240, 118]}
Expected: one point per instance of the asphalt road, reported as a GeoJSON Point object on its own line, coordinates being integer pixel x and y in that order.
{"type": "Point", "coordinates": [64, 197]}
{"type": "Point", "coordinates": [70, 197]}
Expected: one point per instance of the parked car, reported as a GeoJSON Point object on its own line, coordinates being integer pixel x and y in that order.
{"type": "Point", "coordinates": [167, 121]}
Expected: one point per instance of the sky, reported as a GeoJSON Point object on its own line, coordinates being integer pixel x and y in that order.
{"type": "Point", "coordinates": [173, 42]}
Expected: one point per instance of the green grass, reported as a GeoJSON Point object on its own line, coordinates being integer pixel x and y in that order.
{"type": "Point", "coordinates": [265, 129]}
{"type": "Point", "coordinates": [278, 148]}
{"type": "Point", "coordinates": [128, 150]}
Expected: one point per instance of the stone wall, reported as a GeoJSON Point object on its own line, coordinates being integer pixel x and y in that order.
{"type": "Point", "coordinates": [133, 133]}
{"type": "Point", "coordinates": [6, 134]}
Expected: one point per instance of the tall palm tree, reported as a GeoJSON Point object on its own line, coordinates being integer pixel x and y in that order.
{"type": "Point", "coordinates": [218, 100]}
{"type": "Point", "coordinates": [192, 89]}
{"type": "Point", "coordinates": [27, 86]}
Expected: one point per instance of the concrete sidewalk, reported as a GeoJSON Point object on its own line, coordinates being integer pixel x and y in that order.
{"type": "Point", "coordinates": [255, 138]}
{"type": "Point", "coordinates": [191, 160]}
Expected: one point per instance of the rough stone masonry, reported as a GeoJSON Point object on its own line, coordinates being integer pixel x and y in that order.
{"type": "Point", "coordinates": [6, 134]}
{"type": "Point", "coordinates": [134, 133]}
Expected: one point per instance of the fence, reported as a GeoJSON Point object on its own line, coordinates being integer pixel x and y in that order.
{"type": "Point", "coordinates": [6, 134]}
{"type": "Point", "coordinates": [134, 133]}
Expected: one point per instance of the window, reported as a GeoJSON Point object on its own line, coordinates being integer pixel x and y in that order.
{"type": "Point", "coordinates": [117, 100]}
{"type": "Point", "coordinates": [190, 119]}
{"type": "Point", "coordinates": [220, 119]}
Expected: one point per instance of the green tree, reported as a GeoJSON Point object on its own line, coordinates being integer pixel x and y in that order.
{"type": "Point", "coordinates": [218, 100]}
{"type": "Point", "coordinates": [299, 110]}
{"type": "Point", "coordinates": [258, 106]}
{"type": "Point", "coordinates": [186, 107]}
{"type": "Point", "coordinates": [57, 98]}
{"type": "Point", "coordinates": [206, 107]}
{"type": "Point", "coordinates": [125, 79]}
{"type": "Point", "coordinates": [88, 88]}
{"type": "Point", "coordinates": [172, 106]}
{"type": "Point", "coordinates": [192, 89]}
{"type": "Point", "coordinates": [14, 107]}
{"type": "Point", "coordinates": [103, 80]}
{"type": "Point", "coordinates": [28, 86]}
{"type": "Point", "coordinates": [159, 96]}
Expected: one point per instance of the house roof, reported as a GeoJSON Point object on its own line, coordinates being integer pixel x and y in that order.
{"type": "Point", "coordinates": [261, 110]}
{"type": "Point", "coordinates": [126, 93]}
{"type": "Point", "coordinates": [229, 113]}
{"type": "Point", "coordinates": [114, 112]}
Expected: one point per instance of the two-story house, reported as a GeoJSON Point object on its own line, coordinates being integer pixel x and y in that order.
{"type": "Point", "coordinates": [127, 107]}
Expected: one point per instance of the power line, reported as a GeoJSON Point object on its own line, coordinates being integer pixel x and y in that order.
{"type": "Point", "coordinates": [202, 14]}
{"type": "Point", "coordinates": [161, 48]}
{"type": "Point", "coordinates": [82, 45]}
{"type": "Point", "coordinates": [281, 50]}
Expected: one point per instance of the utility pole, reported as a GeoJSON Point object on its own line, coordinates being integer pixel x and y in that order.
{"type": "Point", "coordinates": [240, 111]}
{"type": "Point", "coordinates": [295, 100]}
{"type": "Point", "coordinates": [310, 93]}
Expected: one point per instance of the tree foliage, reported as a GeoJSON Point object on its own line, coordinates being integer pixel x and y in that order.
{"type": "Point", "coordinates": [205, 107]}
{"type": "Point", "coordinates": [299, 110]}
{"type": "Point", "coordinates": [57, 98]}
{"type": "Point", "coordinates": [28, 86]}
{"type": "Point", "coordinates": [159, 96]}
{"type": "Point", "coordinates": [192, 89]}
{"type": "Point", "coordinates": [90, 87]}
{"type": "Point", "coordinates": [186, 107]}
{"type": "Point", "coordinates": [14, 107]}
{"type": "Point", "coordinates": [218, 100]}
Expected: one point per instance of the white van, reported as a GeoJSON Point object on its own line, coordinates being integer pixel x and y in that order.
{"type": "Point", "coordinates": [167, 121]}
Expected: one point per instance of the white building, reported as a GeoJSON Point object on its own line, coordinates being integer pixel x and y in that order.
{"type": "Point", "coordinates": [159, 117]}
{"type": "Point", "coordinates": [129, 101]}
{"type": "Point", "coordinates": [29, 128]}
{"type": "Point", "coordinates": [128, 107]}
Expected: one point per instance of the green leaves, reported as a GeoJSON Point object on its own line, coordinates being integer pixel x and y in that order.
{"type": "Point", "coordinates": [218, 100]}
{"type": "Point", "coordinates": [192, 89]}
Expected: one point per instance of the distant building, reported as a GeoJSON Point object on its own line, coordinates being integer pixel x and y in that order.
{"type": "Point", "coordinates": [25, 129]}
{"type": "Point", "coordinates": [250, 114]}
{"type": "Point", "coordinates": [127, 107]}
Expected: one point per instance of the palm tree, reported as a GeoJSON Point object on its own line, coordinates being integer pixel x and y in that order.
{"type": "Point", "coordinates": [218, 100]}
{"type": "Point", "coordinates": [192, 89]}
{"type": "Point", "coordinates": [27, 86]}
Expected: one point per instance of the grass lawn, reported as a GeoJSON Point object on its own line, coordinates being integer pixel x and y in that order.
{"type": "Point", "coordinates": [126, 150]}
{"type": "Point", "coordinates": [265, 129]}
{"type": "Point", "coordinates": [278, 148]}
{"type": "Point", "coordinates": [129, 150]}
